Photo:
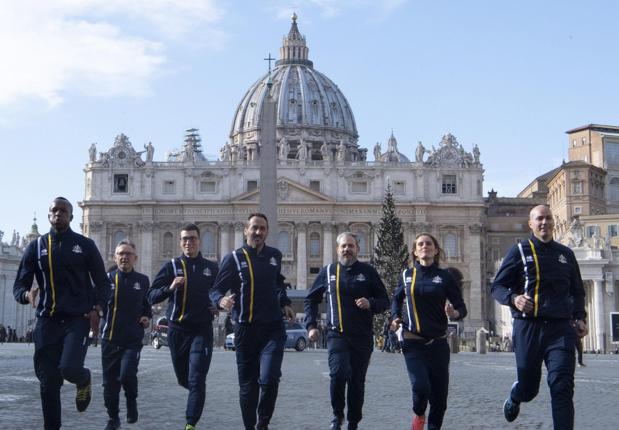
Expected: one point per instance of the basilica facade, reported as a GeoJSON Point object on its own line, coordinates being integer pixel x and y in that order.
{"type": "Point", "coordinates": [325, 185]}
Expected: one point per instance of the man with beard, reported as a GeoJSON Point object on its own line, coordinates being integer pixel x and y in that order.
{"type": "Point", "coordinates": [253, 274]}
{"type": "Point", "coordinates": [355, 293]}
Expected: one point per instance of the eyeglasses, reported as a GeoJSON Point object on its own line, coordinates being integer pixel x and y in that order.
{"type": "Point", "coordinates": [189, 239]}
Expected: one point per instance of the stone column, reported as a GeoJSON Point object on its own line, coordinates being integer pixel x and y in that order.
{"type": "Point", "coordinates": [598, 303]}
{"type": "Point", "coordinates": [238, 234]}
{"type": "Point", "coordinates": [224, 239]}
{"type": "Point", "coordinates": [145, 248]}
{"type": "Point", "coordinates": [472, 238]}
{"type": "Point", "coordinates": [328, 243]}
{"type": "Point", "coordinates": [301, 255]}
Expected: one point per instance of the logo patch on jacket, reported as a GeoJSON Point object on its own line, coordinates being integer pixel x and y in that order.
{"type": "Point", "coordinates": [77, 249]}
{"type": "Point", "coordinates": [409, 279]}
{"type": "Point", "coordinates": [244, 264]}
{"type": "Point", "coordinates": [272, 261]}
{"type": "Point", "coordinates": [529, 259]}
{"type": "Point", "coordinates": [437, 280]}
{"type": "Point", "coordinates": [207, 272]}
{"type": "Point", "coordinates": [43, 252]}
{"type": "Point", "coordinates": [360, 277]}
{"type": "Point", "coordinates": [562, 259]}
{"type": "Point", "coordinates": [136, 286]}
{"type": "Point", "coordinates": [332, 278]}
{"type": "Point", "coordinates": [179, 272]}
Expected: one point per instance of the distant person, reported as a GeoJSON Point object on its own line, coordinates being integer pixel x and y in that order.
{"type": "Point", "coordinates": [540, 281]}
{"type": "Point", "coordinates": [126, 314]}
{"type": "Point", "coordinates": [258, 304]}
{"type": "Point", "coordinates": [185, 282]}
{"type": "Point", "coordinates": [431, 295]}
{"type": "Point", "coordinates": [65, 265]}
{"type": "Point", "coordinates": [355, 294]}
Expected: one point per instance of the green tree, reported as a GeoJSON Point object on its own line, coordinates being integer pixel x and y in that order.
{"type": "Point", "coordinates": [390, 254]}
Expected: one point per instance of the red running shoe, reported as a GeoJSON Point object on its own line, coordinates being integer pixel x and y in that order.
{"type": "Point", "coordinates": [419, 421]}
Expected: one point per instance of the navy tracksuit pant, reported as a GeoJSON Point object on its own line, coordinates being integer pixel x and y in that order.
{"type": "Point", "coordinates": [259, 356]}
{"type": "Point", "coordinates": [349, 358]}
{"type": "Point", "coordinates": [191, 358]}
{"type": "Point", "coordinates": [552, 342]}
{"type": "Point", "coordinates": [428, 371]}
{"type": "Point", "coordinates": [60, 346]}
{"type": "Point", "coordinates": [120, 368]}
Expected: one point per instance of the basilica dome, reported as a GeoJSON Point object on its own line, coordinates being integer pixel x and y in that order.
{"type": "Point", "coordinates": [311, 110]}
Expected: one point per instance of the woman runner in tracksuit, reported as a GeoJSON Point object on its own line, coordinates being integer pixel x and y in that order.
{"type": "Point", "coordinates": [426, 290]}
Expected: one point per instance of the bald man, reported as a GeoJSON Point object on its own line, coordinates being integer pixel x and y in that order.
{"type": "Point", "coordinates": [540, 281]}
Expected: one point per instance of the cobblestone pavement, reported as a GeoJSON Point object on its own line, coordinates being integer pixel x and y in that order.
{"type": "Point", "coordinates": [479, 384]}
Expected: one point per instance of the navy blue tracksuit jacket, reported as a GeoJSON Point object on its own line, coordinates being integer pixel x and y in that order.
{"type": "Point", "coordinates": [65, 265]}
{"type": "Point", "coordinates": [343, 285]}
{"type": "Point", "coordinates": [126, 303]}
{"type": "Point", "coordinates": [190, 306]}
{"type": "Point", "coordinates": [256, 280]}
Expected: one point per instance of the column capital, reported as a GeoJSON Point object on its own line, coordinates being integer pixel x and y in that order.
{"type": "Point", "coordinates": [239, 226]}
{"type": "Point", "coordinates": [301, 226]}
{"type": "Point", "coordinates": [327, 226]}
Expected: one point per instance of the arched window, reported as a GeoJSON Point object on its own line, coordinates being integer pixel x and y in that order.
{"type": "Point", "coordinates": [363, 242]}
{"type": "Point", "coordinates": [283, 241]}
{"type": "Point", "coordinates": [168, 244]}
{"type": "Point", "coordinates": [314, 244]}
{"type": "Point", "coordinates": [118, 236]}
{"type": "Point", "coordinates": [613, 190]}
{"type": "Point", "coordinates": [450, 245]}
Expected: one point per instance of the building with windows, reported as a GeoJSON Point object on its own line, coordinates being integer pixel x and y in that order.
{"type": "Point", "coordinates": [325, 185]}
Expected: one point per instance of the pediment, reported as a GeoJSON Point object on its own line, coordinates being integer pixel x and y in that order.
{"type": "Point", "coordinates": [288, 191]}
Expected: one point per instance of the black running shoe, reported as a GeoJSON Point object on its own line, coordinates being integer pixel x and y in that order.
{"type": "Point", "coordinates": [132, 412]}
{"type": "Point", "coordinates": [113, 424]}
{"type": "Point", "coordinates": [83, 395]}
{"type": "Point", "coordinates": [511, 409]}
{"type": "Point", "coordinates": [336, 423]}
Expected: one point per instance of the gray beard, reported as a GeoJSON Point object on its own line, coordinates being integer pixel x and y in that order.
{"type": "Point", "coordinates": [346, 261]}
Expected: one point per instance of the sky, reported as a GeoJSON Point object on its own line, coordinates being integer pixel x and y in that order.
{"type": "Point", "coordinates": [511, 77]}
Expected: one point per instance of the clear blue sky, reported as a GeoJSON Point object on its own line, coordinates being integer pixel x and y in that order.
{"type": "Point", "coordinates": [509, 76]}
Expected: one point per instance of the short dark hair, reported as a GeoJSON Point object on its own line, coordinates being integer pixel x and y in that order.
{"type": "Point", "coordinates": [125, 242]}
{"type": "Point", "coordinates": [64, 199]}
{"type": "Point", "coordinates": [259, 215]}
{"type": "Point", "coordinates": [191, 227]}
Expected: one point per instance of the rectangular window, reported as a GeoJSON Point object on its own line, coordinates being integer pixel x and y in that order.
{"type": "Point", "coordinates": [169, 186]}
{"type": "Point", "coordinates": [315, 186]}
{"type": "Point", "coordinates": [359, 187]}
{"type": "Point", "coordinates": [593, 229]}
{"type": "Point", "coordinates": [613, 230]}
{"type": "Point", "coordinates": [577, 187]}
{"type": "Point", "coordinates": [252, 186]}
{"type": "Point", "coordinates": [314, 270]}
{"type": "Point", "coordinates": [399, 187]}
{"type": "Point", "coordinates": [577, 210]}
{"type": "Point", "coordinates": [121, 183]}
{"type": "Point", "coordinates": [449, 184]}
{"type": "Point", "coordinates": [208, 186]}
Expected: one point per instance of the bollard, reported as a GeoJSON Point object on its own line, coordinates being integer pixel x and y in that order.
{"type": "Point", "coordinates": [480, 340]}
{"type": "Point", "coordinates": [452, 341]}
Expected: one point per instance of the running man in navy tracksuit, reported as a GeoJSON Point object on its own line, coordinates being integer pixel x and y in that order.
{"type": "Point", "coordinates": [431, 295]}
{"type": "Point", "coordinates": [540, 281]}
{"type": "Point", "coordinates": [126, 314]}
{"type": "Point", "coordinates": [186, 282]}
{"type": "Point", "coordinates": [355, 293]}
{"type": "Point", "coordinates": [65, 265]}
{"type": "Point", "coordinates": [258, 302]}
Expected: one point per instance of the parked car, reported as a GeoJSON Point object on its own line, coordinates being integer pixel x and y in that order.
{"type": "Point", "coordinates": [296, 337]}
{"type": "Point", "coordinates": [159, 333]}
